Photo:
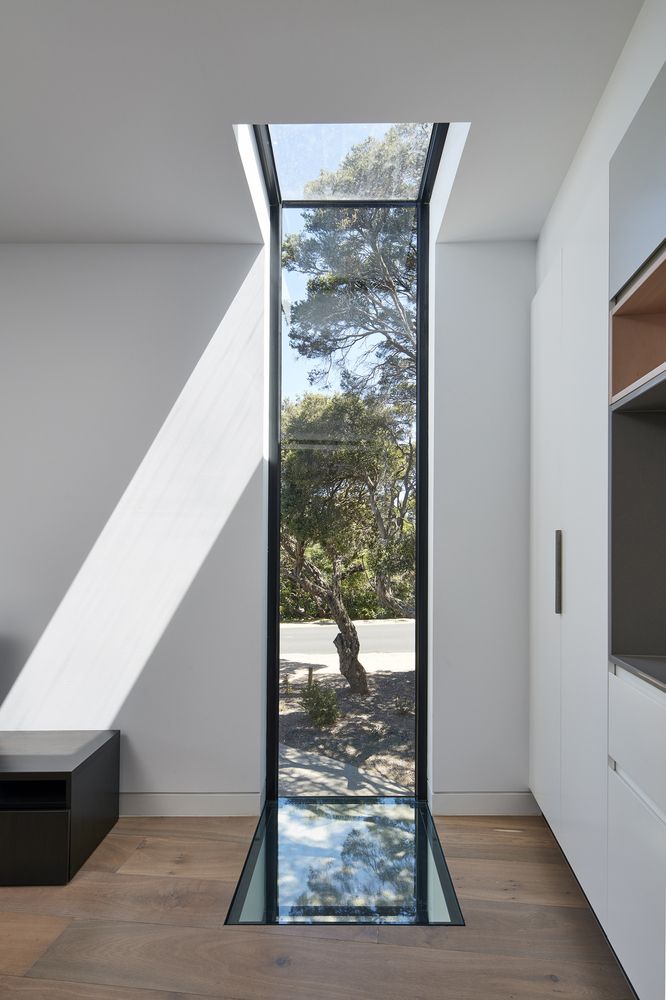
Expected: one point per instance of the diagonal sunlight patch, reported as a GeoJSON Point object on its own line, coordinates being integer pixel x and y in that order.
{"type": "Point", "coordinates": [151, 548]}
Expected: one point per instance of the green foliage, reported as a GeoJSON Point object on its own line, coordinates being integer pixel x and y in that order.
{"type": "Point", "coordinates": [340, 453]}
{"type": "Point", "coordinates": [321, 704]}
{"type": "Point", "coordinates": [296, 605]}
{"type": "Point", "coordinates": [358, 595]}
{"type": "Point", "coordinates": [348, 485]}
{"type": "Point", "coordinates": [360, 599]}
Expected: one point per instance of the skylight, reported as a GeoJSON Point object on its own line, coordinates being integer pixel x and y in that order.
{"type": "Point", "coordinates": [330, 162]}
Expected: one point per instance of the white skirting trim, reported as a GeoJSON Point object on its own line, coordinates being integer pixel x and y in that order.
{"type": "Point", "coordinates": [250, 803]}
{"type": "Point", "coordinates": [190, 803]}
{"type": "Point", "coordinates": [484, 804]}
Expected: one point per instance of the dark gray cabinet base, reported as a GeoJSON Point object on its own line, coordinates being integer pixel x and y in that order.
{"type": "Point", "coordinates": [58, 800]}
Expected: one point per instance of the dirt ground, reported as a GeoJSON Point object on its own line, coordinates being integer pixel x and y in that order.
{"type": "Point", "coordinates": [375, 732]}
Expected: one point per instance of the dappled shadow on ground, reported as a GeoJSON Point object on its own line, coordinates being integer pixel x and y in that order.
{"type": "Point", "coordinates": [306, 773]}
{"type": "Point", "coordinates": [375, 732]}
{"type": "Point", "coordinates": [295, 668]}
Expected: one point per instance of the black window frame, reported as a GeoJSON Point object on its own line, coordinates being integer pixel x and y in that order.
{"type": "Point", "coordinates": [422, 206]}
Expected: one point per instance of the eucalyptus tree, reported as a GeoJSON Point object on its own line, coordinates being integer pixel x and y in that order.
{"type": "Point", "coordinates": [358, 319]}
{"type": "Point", "coordinates": [347, 508]}
{"type": "Point", "coordinates": [349, 458]}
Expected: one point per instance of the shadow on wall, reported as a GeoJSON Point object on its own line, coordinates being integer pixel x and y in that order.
{"type": "Point", "coordinates": [153, 545]}
{"type": "Point", "coordinates": [191, 722]}
{"type": "Point", "coordinates": [13, 654]}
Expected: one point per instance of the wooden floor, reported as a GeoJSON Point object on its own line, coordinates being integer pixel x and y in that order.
{"type": "Point", "coordinates": [143, 920]}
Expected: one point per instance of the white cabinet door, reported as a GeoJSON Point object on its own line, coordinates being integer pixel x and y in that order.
{"type": "Point", "coordinates": [636, 888]}
{"type": "Point", "coordinates": [637, 734]}
{"type": "Point", "coordinates": [584, 520]}
{"type": "Point", "coordinates": [545, 506]}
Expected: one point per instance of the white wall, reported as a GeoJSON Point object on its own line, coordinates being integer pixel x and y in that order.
{"type": "Point", "coordinates": [480, 499]}
{"type": "Point", "coordinates": [98, 342]}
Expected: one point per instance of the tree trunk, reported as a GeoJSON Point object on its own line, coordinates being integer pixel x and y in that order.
{"type": "Point", "coordinates": [351, 667]}
{"type": "Point", "coordinates": [385, 594]}
{"type": "Point", "coordinates": [347, 644]}
{"type": "Point", "coordinates": [328, 592]}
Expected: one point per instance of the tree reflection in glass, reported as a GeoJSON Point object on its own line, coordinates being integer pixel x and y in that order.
{"type": "Point", "coordinates": [355, 861]}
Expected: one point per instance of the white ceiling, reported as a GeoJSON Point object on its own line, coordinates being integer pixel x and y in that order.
{"type": "Point", "coordinates": [116, 115]}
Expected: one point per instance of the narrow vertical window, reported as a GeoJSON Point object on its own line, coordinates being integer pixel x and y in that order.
{"type": "Point", "coordinates": [348, 488]}
{"type": "Point", "coordinates": [345, 835]}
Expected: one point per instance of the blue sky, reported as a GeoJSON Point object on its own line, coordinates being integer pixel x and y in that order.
{"type": "Point", "coordinates": [302, 151]}
{"type": "Point", "coordinates": [294, 368]}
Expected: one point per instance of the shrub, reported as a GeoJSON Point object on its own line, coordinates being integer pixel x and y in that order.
{"type": "Point", "coordinates": [321, 704]}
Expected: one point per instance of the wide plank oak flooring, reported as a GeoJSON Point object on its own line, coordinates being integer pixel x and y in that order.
{"type": "Point", "coordinates": [144, 920]}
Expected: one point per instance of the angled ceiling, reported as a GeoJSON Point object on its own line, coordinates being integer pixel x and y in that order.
{"type": "Point", "coordinates": [116, 115]}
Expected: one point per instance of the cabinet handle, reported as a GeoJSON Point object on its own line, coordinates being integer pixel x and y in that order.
{"type": "Point", "coordinates": [558, 572]}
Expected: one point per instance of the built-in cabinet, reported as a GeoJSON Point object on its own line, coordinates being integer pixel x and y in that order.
{"type": "Point", "coordinates": [583, 504]}
{"type": "Point", "coordinates": [636, 923]}
{"type": "Point", "coordinates": [545, 632]}
{"type": "Point", "coordinates": [637, 829]}
{"type": "Point", "coordinates": [637, 736]}
{"type": "Point", "coordinates": [598, 728]}
{"type": "Point", "coordinates": [568, 656]}
{"type": "Point", "coordinates": [637, 682]}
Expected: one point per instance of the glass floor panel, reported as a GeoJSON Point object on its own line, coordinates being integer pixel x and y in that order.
{"type": "Point", "coordinates": [345, 861]}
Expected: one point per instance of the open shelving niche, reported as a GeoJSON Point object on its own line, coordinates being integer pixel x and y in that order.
{"type": "Point", "coordinates": [638, 474]}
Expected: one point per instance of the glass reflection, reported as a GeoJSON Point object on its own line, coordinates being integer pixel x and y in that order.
{"type": "Point", "coordinates": [346, 861]}
{"type": "Point", "coordinates": [355, 860]}
{"type": "Point", "coordinates": [380, 161]}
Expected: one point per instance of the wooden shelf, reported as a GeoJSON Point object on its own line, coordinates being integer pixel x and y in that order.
{"type": "Point", "coordinates": [648, 395]}
{"type": "Point", "coordinates": [647, 293]}
{"type": "Point", "coordinates": [638, 331]}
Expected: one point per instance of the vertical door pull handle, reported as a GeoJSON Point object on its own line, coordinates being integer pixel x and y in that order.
{"type": "Point", "coordinates": [558, 572]}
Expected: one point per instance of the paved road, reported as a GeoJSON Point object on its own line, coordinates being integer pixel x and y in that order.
{"type": "Point", "coordinates": [376, 637]}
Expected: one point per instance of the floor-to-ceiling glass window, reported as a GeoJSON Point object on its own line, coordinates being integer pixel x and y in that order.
{"type": "Point", "coordinates": [345, 835]}
{"type": "Point", "coordinates": [348, 498]}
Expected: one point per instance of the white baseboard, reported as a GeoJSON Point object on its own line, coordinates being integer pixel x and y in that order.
{"type": "Point", "coordinates": [250, 803]}
{"type": "Point", "coordinates": [484, 804]}
{"type": "Point", "coordinates": [190, 803]}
